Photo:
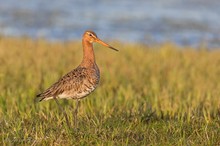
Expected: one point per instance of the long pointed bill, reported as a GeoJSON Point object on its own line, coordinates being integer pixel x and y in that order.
{"type": "Point", "coordinates": [105, 44]}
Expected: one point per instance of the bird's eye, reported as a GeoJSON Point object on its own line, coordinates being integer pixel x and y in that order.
{"type": "Point", "coordinates": [90, 34]}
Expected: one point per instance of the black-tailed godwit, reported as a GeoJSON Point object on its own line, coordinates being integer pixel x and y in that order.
{"type": "Point", "coordinates": [79, 82]}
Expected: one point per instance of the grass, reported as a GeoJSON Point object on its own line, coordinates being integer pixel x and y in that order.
{"type": "Point", "coordinates": [158, 95]}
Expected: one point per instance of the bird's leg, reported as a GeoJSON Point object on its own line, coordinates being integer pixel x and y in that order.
{"type": "Point", "coordinates": [62, 110]}
{"type": "Point", "coordinates": [75, 113]}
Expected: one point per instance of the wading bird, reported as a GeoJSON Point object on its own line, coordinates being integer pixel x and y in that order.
{"type": "Point", "coordinates": [79, 82]}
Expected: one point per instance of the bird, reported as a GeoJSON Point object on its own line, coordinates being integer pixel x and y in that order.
{"type": "Point", "coordinates": [79, 82]}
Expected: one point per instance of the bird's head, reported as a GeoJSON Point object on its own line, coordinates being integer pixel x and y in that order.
{"type": "Point", "coordinates": [91, 37]}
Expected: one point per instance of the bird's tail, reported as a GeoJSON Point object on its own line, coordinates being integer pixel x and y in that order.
{"type": "Point", "coordinates": [39, 98]}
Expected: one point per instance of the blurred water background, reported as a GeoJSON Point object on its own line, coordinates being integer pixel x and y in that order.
{"type": "Point", "coordinates": [184, 22]}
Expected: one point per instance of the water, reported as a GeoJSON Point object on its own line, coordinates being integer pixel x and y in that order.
{"type": "Point", "coordinates": [185, 22]}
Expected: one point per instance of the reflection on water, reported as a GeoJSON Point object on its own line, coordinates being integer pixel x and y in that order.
{"type": "Point", "coordinates": [182, 21]}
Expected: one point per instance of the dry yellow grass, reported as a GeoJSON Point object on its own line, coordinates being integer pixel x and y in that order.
{"type": "Point", "coordinates": [159, 95]}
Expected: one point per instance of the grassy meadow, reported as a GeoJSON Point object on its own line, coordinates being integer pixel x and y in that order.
{"type": "Point", "coordinates": [148, 95]}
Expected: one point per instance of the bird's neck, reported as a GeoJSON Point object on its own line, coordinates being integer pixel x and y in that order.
{"type": "Point", "coordinates": [88, 54]}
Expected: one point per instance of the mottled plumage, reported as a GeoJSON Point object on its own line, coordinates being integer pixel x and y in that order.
{"type": "Point", "coordinates": [74, 85]}
{"type": "Point", "coordinates": [81, 81]}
